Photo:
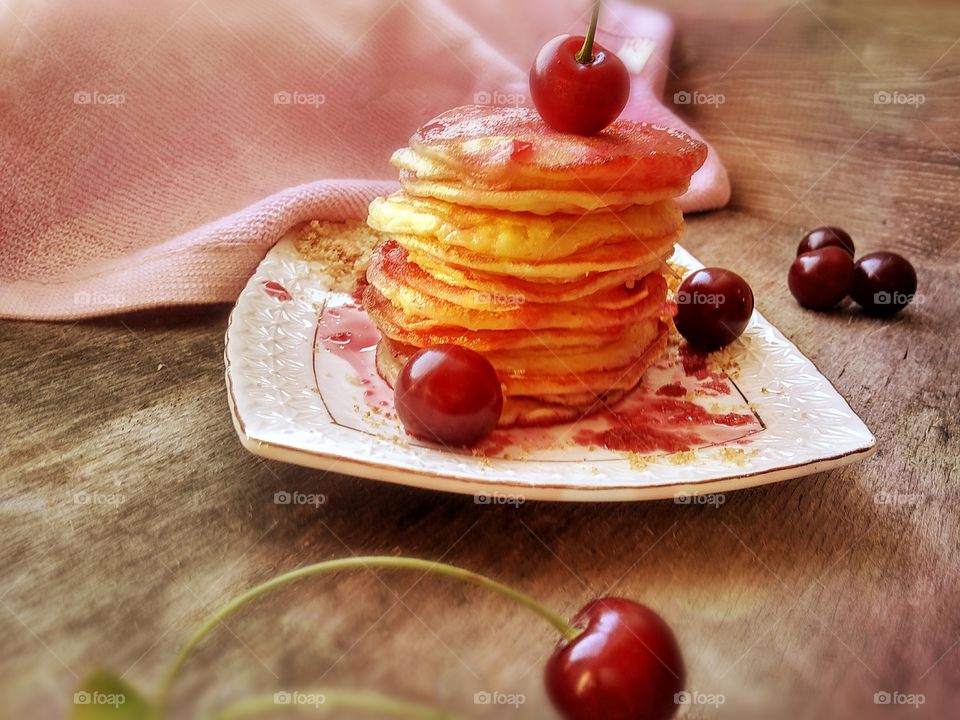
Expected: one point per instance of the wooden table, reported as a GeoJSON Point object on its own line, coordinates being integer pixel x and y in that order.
{"type": "Point", "coordinates": [799, 600]}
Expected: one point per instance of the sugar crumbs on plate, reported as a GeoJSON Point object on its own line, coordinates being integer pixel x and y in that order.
{"type": "Point", "coordinates": [637, 461]}
{"type": "Point", "coordinates": [482, 460]}
{"type": "Point", "coordinates": [725, 360]}
{"type": "Point", "coordinates": [736, 455]}
{"type": "Point", "coordinates": [675, 276]}
{"type": "Point", "coordinates": [684, 458]}
{"type": "Point", "coordinates": [342, 248]}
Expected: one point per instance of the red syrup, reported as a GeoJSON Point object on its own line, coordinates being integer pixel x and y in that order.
{"type": "Point", "coordinates": [694, 363]}
{"type": "Point", "coordinates": [647, 423]}
{"type": "Point", "coordinates": [521, 149]}
{"type": "Point", "coordinates": [711, 384]}
{"type": "Point", "coordinates": [347, 332]}
{"type": "Point", "coordinates": [672, 390]}
{"type": "Point", "coordinates": [660, 421]}
{"type": "Point", "coordinates": [649, 420]}
{"type": "Point", "coordinates": [276, 290]}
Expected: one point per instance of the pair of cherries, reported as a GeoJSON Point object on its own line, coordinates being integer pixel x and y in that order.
{"type": "Point", "coordinates": [824, 273]}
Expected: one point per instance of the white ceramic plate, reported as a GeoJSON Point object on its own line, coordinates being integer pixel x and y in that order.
{"type": "Point", "coordinates": [296, 397]}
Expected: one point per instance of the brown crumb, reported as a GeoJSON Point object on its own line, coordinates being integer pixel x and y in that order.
{"type": "Point", "coordinates": [342, 248]}
{"type": "Point", "coordinates": [734, 455]}
{"type": "Point", "coordinates": [725, 361]}
{"type": "Point", "coordinates": [637, 461]}
{"type": "Point", "coordinates": [676, 275]}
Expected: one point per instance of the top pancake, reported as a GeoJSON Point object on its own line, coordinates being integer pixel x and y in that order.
{"type": "Point", "coordinates": [512, 149]}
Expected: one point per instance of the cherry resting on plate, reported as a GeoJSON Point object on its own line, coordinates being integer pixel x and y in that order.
{"type": "Point", "coordinates": [577, 85]}
{"type": "Point", "coordinates": [826, 237]}
{"type": "Point", "coordinates": [625, 665]}
{"type": "Point", "coordinates": [713, 308]}
{"type": "Point", "coordinates": [883, 283]}
{"type": "Point", "coordinates": [821, 278]}
{"type": "Point", "coordinates": [449, 394]}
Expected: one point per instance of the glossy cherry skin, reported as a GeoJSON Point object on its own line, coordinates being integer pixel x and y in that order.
{"type": "Point", "coordinates": [713, 308]}
{"type": "Point", "coordinates": [826, 237]}
{"type": "Point", "coordinates": [883, 283]}
{"type": "Point", "coordinates": [448, 394]}
{"type": "Point", "coordinates": [822, 278]}
{"type": "Point", "coordinates": [626, 665]}
{"type": "Point", "coordinates": [575, 97]}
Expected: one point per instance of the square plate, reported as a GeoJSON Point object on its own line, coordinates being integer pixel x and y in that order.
{"type": "Point", "coordinates": [295, 397]}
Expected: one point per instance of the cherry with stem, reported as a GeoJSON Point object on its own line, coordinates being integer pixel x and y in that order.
{"type": "Point", "coordinates": [577, 85]}
{"type": "Point", "coordinates": [160, 707]}
{"type": "Point", "coordinates": [617, 659]}
{"type": "Point", "coordinates": [585, 56]}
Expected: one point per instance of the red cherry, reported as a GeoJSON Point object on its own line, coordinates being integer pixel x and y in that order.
{"type": "Point", "coordinates": [822, 278]}
{"type": "Point", "coordinates": [448, 394]}
{"type": "Point", "coordinates": [713, 308]}
{"type": "Point", "coordinates": [625, 665]}
{"type": "Point", "coordinates": [574, 96]}
{"type": "Point", "coordinates": [826, 237]}
{"type": "Point", "coordinates": [883, 283]}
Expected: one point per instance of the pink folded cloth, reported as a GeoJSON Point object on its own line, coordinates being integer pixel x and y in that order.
{"type": "Point", "coordinates": [153, 152]}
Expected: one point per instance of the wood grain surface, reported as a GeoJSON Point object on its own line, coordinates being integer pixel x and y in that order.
{"type": "Point", "coordinates": [130, 510]}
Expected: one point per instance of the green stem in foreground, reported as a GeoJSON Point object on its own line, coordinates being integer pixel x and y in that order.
{"type": "Point", "coordinates": [331, 566]}
{"type": "Point", "coordinates": [329, 699]}
{"type": "Point", "coordinates": [585, 56]}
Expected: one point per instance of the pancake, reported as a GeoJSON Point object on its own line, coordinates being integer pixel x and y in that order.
{"type": "Point", "coordinates": [549, 371]}
{"type": "Point", "coordinates": [523, 367]}
{"type": "Point", "coordinates": [393, 324]}
{"type": "Point", "coordinates": [642, 255]}
{"type": "Point", "coordinates": [511, 148]}
{"type": "Point", "coordinates": [422, 311]}
{"type": "Point", "coordinates": [426, 302]}
{"type": "Point", "coordinates": [538, 202]}
{"type": "Point", "coordinates": [574, 397]}
{"type": "Point", "coordinates": [539, 290]}
{"type": "Point", "coordinates": [519, 236]}
{"type": "Point", "coordinates": [391, 265]}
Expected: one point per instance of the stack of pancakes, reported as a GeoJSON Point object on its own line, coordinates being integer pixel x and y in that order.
{"type": "Point", "coordinates": [540, 250]}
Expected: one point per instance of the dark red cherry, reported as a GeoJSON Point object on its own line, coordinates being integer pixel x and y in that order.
{"type": "Point", "coordinates": [625, 665]}
{"type": "Point", "coordinates": [821, 278]}
{"type": "Point", "coordinates": [883, 283]}
{"type": "Point", "coordinates": [713, 308]}
{"type": "Point", "coordinates": [448, 394]}
{"type": "Point", "coordinates": [826, 237]}
{"type": "Point", "coordinates": [578, 97]}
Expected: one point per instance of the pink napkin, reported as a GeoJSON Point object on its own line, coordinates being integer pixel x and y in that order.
{"type": "Point", "coordinates": [152, 152]}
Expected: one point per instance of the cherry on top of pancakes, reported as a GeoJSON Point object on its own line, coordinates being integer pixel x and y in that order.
{"type": "Point", "coordinates": [518, 136]}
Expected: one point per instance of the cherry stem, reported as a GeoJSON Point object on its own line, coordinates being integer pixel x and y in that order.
{"type": "Point", "coordinates": [328, 698]}
{"type": "Point", "coordinates": [331, 566]}
{"type": "Point", "coordinates": [585, 56]}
